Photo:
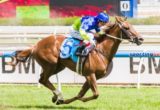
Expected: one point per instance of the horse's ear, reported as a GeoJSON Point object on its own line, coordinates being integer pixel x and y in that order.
{"type": "Point", "coordinates": [118, 19]}
{"type": "Point", "coordinates": [125, 18]}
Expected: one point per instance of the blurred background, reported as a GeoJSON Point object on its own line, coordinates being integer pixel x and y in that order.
{"type": "Point", "coordinates": [55, 12]}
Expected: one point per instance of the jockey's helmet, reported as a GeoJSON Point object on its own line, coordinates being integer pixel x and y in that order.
{"type": "Point", "coordinates": [103, 17]}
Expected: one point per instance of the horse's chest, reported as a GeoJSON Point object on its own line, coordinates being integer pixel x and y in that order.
{"type": "Point", "coordinates": [108, 69]}
{"type": "Point", "coordinates": [104, 69]}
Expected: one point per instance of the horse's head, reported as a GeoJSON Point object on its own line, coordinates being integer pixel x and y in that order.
{"type": "Point", "coordinates": [127, 31]}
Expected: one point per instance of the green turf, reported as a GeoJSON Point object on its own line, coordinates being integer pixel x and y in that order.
{"type": "Point", "coordinates": [26, 97]}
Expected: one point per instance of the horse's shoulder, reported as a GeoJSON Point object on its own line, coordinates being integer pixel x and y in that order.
{"type": "Point", "coordinates": [52, 38]}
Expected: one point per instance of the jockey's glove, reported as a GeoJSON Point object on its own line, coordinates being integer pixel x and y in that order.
{"type": "Point", "coordinates": [90, 42]}
{"type": "Point", "coordinates": [90, 36]}
{"type": "Point", "coordinates": [93, 42]}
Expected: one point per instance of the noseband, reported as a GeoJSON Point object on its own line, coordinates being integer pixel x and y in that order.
{"type": "Point", "coordinates": [121, 35]}
{"type": "Point", "coordinates": [117, 38]}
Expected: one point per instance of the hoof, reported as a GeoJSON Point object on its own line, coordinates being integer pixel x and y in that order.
{"type": "Point", "coordinates": [54, 99]}
{"type": "Point", "coordinates": [58, 102]}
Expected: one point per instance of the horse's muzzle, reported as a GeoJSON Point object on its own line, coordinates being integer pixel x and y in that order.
{"type": "Point", "coordinates": [138, 40]}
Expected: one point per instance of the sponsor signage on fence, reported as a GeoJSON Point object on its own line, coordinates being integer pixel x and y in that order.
{"type": "Point", "coordinates": [23, 73]}
{"type": "Point", "coordinates": [125, 69]}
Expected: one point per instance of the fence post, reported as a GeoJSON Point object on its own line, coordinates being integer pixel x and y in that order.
{"type": "Point", "coordinates": [139, 72]}
{"type": "Point", "coordinates": [58, 81]}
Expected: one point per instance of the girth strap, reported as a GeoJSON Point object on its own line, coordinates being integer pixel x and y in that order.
{"type": "Point", "coordinates": [80, 65]}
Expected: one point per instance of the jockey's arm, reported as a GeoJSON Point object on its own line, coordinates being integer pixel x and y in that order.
{"type": "Point", "coordinates": [95, 34]}
{"type": "Point", "coordinates": [99, 32]}
{"type": "Point", "coordinates": [104, 29]}
{"type": "Point", "coordinates": [87, 36]}
{"type": "Point", "coordinates": [77, 24]}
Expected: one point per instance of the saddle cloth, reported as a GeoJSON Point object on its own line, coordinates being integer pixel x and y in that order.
{"type": "Point", "coordinates": [69, 47]}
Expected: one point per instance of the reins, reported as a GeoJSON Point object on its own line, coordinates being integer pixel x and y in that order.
{"type": "Point", "coordinates": [120, 39]}
{"type": "Point", "coordinates": [121, 36]}
{"type": "Point", "coordinates": [114, 37]}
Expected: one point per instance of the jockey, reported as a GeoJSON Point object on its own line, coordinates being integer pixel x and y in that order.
{"type": "Point", "coordinates": [83, 30]}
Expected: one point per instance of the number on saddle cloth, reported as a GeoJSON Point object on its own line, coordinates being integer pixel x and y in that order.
{"type": "Point", "coordinates": [68, 48]}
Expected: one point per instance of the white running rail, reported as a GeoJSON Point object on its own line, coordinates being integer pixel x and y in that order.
{"type": "Point", "coordinates": [7, 32]}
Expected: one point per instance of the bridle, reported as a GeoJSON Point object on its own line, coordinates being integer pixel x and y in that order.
{"type": "Point", "coordinates": [123, 31]}
{"type": "Point", "coordinates": [120, 38]}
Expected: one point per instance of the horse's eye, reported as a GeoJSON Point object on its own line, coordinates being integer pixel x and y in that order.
{"type": "Point", "coordinates": [127, 28]}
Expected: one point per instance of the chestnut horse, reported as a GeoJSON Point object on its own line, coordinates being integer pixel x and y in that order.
{"type": "Point", "coordinates": [46, 53]}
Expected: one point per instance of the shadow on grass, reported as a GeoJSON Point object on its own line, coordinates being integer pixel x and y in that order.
{"type": "Point", "coordinates": [49, 107]}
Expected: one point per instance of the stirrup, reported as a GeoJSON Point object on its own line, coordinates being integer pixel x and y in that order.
{"type": "Point", "coordinates": [79, 52]}
{"type": "Point", "coordinates": [85, 52]}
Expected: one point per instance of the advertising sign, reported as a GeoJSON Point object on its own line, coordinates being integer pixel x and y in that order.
{"type": "Point", "coordinates": [68, 8]}
{"type": "Point", "coordinates": [125, 5]}
{"type": "Point", "coordinates": [128, 8]}
{"type": "Point", "coordinates": [124, 69]}
{"type": "Point", "coordinates": [23, 73]}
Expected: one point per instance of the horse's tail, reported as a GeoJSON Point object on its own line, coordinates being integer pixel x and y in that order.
{"type": "Point", "coordinates": [21, 56]}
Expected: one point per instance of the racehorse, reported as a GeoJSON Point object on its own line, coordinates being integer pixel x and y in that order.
{"type": "Point", "coordinates": [46, 53]}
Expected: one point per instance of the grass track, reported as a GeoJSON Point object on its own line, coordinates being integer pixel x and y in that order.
{"type": "Point", "coordinates": [30, 97]}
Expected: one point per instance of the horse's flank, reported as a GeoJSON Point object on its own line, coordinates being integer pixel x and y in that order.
{"type": "Point", "coordinates": [48, 49]}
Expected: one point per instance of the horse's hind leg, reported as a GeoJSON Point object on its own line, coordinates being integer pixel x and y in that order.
{"type": "Point", "coordinates": [44, 79]}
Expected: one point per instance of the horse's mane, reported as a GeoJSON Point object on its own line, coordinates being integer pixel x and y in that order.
{"type": "Point", "coordinates": [107, 31]}
{"type": "Point", "coordinates": [101, 38]}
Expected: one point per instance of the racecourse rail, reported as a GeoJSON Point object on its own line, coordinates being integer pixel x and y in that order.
{"type": "Point", "coordinates": [143, 29]}
{"type": "Point", "coordinates": [30, 34]}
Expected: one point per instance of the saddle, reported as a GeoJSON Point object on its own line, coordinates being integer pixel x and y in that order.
{"type": "Point", "coordinates": [83, 52]}
{"type": "Point", "coordinates": [74, 48]}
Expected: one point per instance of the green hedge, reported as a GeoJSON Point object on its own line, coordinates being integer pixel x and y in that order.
{"type": "Point", "coordinates": [145, 21]}
{"type": "Point", "coordinates": [37, 22]}
{"type": "Point", "coordinates": [70, 20]}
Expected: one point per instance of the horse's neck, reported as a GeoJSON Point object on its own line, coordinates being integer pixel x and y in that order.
{"type": "Point", "coordinates": [110, 45]}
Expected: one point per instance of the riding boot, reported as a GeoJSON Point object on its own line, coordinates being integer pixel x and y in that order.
{"type": "Point", "coordinates": [86, 51]}
{"type": "Point", "coordinates": [80, 49]}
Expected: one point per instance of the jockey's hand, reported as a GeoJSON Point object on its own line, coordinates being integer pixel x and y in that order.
{"type": "Point", "coordinates": [93, 42]}
{"type": "Point", "coordinates": [90, 42]}
{"type": "Point", "coordinates": [86, 42]}
{"type": "Point", "coordinates": [96, 34]}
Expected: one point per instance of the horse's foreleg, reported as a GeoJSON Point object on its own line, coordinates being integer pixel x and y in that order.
{"type": "Point", "coordinates": [93, 85]}
{"type": "Point", "coordinates": [84, 89]}
{"type": "Point", "coordinates": [82, 92]}
{"type": "Point", "coordinates": [90, 83]}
